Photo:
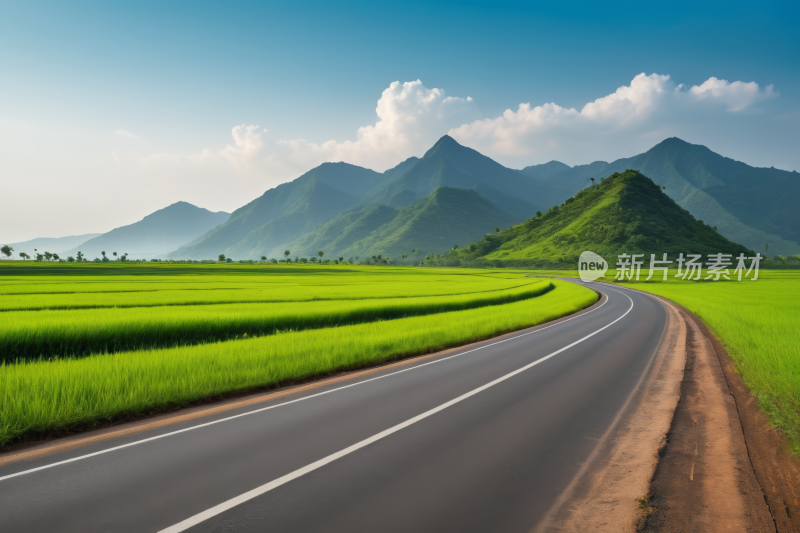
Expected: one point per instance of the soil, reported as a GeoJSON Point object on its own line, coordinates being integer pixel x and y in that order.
{"type": "Point", "coordinates": [766, 486]}
{"type": "Point", "coordinates": [705, 481]}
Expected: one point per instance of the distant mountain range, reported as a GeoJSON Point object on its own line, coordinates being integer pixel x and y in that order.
{"type": "Point", "coordinates": [352, 210]}
{"type": "Point", "coordinates": [268, 224]}
{"type": "Point", "coordinates": [624, 213]}
{"type": "Point", "coordinates": [453, 195]}
{"type": "Point", "coordinates": [155, 234]}
{"type": "Point", "coordinates": [56, 245]}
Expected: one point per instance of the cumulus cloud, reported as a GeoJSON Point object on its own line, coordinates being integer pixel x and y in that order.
{"type": "Point", "coordinates": [411, 118]}
{"type": "Point", "coordinates": [651, 103]}
{"type": "Point", "coordinates": [736, 96]}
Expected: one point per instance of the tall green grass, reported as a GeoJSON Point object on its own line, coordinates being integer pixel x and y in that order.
{"type": "Point", "coordinates": [73, 393]}
{"type": "Point", "coordinates": [49, 334]}
{"type": "Point", "coordinates": [38, 292]}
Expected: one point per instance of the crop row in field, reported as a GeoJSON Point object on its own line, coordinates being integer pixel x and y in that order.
{"type": "Point", "coordinates": [50, 334]}
{"type": "Point", "coordinates": [63, 394]}
{"type": "Point", "coordinates": [36, 292]}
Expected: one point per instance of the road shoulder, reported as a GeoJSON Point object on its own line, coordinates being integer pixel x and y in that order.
{"type": "Point", "coordinates": [767, 476]}
{"type": "Point", "coordinates": [605, 499]}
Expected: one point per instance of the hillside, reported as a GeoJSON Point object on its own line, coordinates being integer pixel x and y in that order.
{"type": "Point", "coordinates": [56, 245]}
{"type": "Point", "coordinates": [269, 224]}
{"type": "Point", "coordinates": [155, 234]}
{"type": "Point", "coordinates": [449, 164]}
{"type": "Point", "coordinates": [754, 206]}
{"type": "Point", "coordinates": [447, 217]}
{"type": "Point", "coordinates": [265, 225]}
{"type": "Point", "coordinates": [624, 213]}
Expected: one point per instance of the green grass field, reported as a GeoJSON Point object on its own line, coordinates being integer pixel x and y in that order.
{"type": "Point", "coordinates": [308, 321]}
{"type": "Point", "coordinates": [759, 324]}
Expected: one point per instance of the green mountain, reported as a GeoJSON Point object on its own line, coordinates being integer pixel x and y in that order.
{"type": "Point", "coordinates": [624, 213]}
{"type": "Point", "coordinates": [447, 217]}
{"type": "Point", "coordinates": [449, 164]}
{"type": "Point", "coordinates": [155, 234]}
{"type": "Point", "coordinates": [269, 224]}
{"type": "Point", "coordinates": [56, 245]}
{"type": "Point", "coordinates": [753, 206]}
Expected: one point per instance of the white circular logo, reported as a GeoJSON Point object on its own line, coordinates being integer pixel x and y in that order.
{"type": "Point", "coordinates": [591, 266]}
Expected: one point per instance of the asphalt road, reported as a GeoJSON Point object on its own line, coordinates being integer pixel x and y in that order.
{"type": "Point", "coordinates": [483, 439]}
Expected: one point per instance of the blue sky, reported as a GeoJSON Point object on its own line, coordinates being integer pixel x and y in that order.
{"type": "Point", "coordinates": [112, 110]}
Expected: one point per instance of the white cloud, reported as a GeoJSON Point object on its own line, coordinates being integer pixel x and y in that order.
{"type": "Point", "coordinates": [411, 118]}
{"type": "Point", "coordinates": [736, 96]}
{"type": "Point", "coordinates": [649, 106]}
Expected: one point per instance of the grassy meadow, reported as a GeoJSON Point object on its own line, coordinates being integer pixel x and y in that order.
{"type": "Point", "coordinates": [759, 324]}
{"type": "Point", "coordinates": [88, 361]}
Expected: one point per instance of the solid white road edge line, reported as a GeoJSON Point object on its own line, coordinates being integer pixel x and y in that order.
{"type": "Point", "coordinates": [226, 419]}
{"type": "Point", "coordinates": [233, 502]}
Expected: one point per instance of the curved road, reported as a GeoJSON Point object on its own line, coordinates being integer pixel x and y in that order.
{"type": "Point", "coordinates": [485, 438]}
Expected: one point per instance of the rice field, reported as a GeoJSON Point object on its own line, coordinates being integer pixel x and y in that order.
{"type": "Point", "coordinates": [71, 368]}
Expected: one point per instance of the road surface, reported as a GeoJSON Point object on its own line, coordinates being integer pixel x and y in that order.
{"type": "Point", "coordinates": [485, 438]}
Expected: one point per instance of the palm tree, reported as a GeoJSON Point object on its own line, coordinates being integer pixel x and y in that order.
{"type": "Point", "coordinates": [592, 180]}
{"type": "Point", "coordinates": [320, 254]}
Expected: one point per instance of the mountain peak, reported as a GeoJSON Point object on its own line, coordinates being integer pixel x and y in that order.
{"type": "Point", "coordinates": [445, 144]}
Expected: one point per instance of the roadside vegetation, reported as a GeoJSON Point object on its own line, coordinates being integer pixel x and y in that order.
{"type": "Point", "coordinates": [369, 316]}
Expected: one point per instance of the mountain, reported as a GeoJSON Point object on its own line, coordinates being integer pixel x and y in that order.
{"type": "Point", "coordinates": [624, 213]}
{"type": "Point", "coordinates": [155, 234]}
{"type": "Point", "coordinates": [448, 216]}
{"type": "Point", "coordinates": [268, 224]}
{"type": "Point", "coordinates": [750, 205]}
{"type": "Point", "coordinates": [283, 213]}
{"type": "Point", "coordinates": [56, 245]}
{"type": "Point", "coordinates": [449, 164]}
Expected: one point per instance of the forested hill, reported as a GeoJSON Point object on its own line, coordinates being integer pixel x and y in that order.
{"type": "Point", "coordinates": [448, 217]}
{"type": "Point", "coordinates": [624, 213]}
{"type": "Point", "coordinates": [750, 205]}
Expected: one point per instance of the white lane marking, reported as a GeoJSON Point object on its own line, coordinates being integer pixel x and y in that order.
{"type": "Point", "coordinates": [255, 411]}
{"type": "Point", "coordinates": [258, 491]}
